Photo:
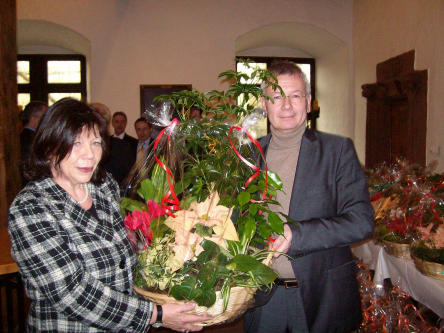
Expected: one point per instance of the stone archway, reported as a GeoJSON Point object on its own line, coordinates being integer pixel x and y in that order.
{"type": "Point", "coordinates": [43, 36]}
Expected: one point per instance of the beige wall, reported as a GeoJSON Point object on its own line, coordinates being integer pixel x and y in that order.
{"type": "Point", "coordinates": [383, 29]}
{"type": "Point", "coordinates": [191, 41]}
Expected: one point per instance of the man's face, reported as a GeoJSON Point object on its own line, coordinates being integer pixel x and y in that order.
{"type": "Point", "coordinates": [287, 113]}
{"type": "Point", "coordinates": [119, 124]}
{"type": "Point", "coordinates": [143, 130]}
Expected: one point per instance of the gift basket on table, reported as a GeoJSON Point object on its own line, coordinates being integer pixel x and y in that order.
{"type": "Point", "coordinates": [409, 213]}
{"type": "Point", "coordinates": [197, 210]}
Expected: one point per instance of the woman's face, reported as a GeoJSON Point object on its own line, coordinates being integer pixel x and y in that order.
{"type": "Point", "coordinates": [80, 163]}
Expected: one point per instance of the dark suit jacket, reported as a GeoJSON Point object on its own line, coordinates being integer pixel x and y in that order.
{"type": "Point", "coordinates": [121, 157]}
{"type": "Point", "coordinates": [331, 204]}
{"type": "Point", "coordinates": [132, 141]}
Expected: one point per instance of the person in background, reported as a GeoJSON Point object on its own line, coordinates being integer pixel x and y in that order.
{"type": "Point", "coordinates": [30, 117]}
{"type": "Point", "coordinates": [195, 113]}
{"type": "Point", "coordinates": [105, 112]}
{"type": "Point", "coordinates": [122, 150]}
{"type": "Point", "coordinates": [68, 237]}
{"type": "Point", "coordinates": [143, 130]}
{"type": "Point", "coordinates": [325, 192]}
{"type": "Point", "coordinates": [119, 122]}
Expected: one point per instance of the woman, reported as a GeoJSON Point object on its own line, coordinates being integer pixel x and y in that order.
{"type": "Point", "coordinates": [68, 237]}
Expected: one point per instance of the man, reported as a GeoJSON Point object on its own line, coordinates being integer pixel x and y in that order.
{"type": "Point", "coordinates": [143, 131]}
{"type": "Point", "coordinates": [119, 122]}
{"type": "Point", "coordinates": [122, 149]}
{"type": "Point", "coordinates": [325, 192]}
{"type": "Point", "coordinates": [195, 113]}
{"type": "Point", "coordinates": [30, 117]}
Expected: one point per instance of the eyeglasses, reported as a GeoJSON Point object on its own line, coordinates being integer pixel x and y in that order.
{"type": "Point", "coordinates": [296, 98]}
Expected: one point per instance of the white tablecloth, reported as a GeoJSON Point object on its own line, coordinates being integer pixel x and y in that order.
{"type": "Point", "coordinates": [404, 274]}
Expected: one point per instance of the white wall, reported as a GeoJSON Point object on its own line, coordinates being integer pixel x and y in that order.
{"type": "Point", "coordinates": [384, 29]}
{"type": "Point", "coordinates": [182, 41]}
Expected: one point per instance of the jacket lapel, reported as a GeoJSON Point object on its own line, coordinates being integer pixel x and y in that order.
{"type": "Point", "coordinates": [303, 169]}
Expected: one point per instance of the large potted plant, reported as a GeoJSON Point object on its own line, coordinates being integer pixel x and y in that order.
{"type": "Point", "coordinates": [201, 202]}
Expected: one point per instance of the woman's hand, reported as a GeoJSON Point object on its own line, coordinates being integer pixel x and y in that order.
{"type": "Point", "coordinates": [175, 317]}
{"type": "Point", "coordinates": [282, 243]}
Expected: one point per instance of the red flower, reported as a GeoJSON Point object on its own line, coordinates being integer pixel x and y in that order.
{"type": "Point", "coordinates": [140, 221]}
{"type": "Point", "coordinates": [155, 209]}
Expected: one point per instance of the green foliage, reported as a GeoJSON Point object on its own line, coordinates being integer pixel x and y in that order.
{"type": "Point", "coordinates": [217, 267]}
{"type": "Point", "coordinates": [426, 252]}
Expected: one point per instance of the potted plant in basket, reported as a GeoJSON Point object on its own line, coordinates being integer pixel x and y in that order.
{"type": "Point", "coordinates": [409, 207]}
{"type": "Point", "coordinates": [201, 203]}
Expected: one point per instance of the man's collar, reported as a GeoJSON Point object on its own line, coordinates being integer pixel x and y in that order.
{"type": "Point", "coordinates": [144, 143]}
{"type": "Point", "coordinates": [120, 136]}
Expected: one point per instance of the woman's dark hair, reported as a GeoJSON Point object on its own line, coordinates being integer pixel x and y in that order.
{"type": "Point", "coordinates": [56, 133]}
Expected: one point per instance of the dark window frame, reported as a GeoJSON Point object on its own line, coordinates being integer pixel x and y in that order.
{"type": "Point", "coordinates": [38, 86]}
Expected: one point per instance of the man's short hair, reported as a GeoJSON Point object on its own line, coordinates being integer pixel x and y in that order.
{"type": "Point", "coordinates": [142, 119]}
{"type": "Point", "coordinates": [120, 113]}
{"type": "Point", "coordinates": [32, 109]}
{"type": "Point", "coordinates": [282, 67]}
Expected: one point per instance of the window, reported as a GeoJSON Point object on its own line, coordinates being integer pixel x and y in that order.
{"type": "Point", "coordinates": [307, 65]}
{"type": "Point", "coordinates": [48, 78]}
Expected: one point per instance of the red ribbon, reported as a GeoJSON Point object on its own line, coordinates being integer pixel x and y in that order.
{"type": "Point", "coordinates": [254, 167]}
{"type": "Point", "coordinates": [168, 204]}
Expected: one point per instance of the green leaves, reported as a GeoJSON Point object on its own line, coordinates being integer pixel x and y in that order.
{"type": "Point", "coordinates": [146, 190]}
{"type": "Point", "coordinates": [203, 230]}
{"type": "Point", "coordinates": [200, 288]}
{"type": "Point", "coordinates": [243, 198]}
{"type": "Point", "coordinates": [261, 273]}
{"type": "Point", "coordinates": [276, 223]}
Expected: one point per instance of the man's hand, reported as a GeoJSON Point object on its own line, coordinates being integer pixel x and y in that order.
{"type": "Point", "coordinates": [282, 243]}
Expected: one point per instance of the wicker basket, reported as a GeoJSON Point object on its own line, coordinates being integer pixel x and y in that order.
{"type": "Point", "coordinates": [240, 300]}
{"type": "Point", "coordinates": [428, 268]}
{"type": "Point", "coordinates": [398, 250]}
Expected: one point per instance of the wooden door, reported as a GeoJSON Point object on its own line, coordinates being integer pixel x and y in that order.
{"type": "Point", "coordinates": [396, 113]}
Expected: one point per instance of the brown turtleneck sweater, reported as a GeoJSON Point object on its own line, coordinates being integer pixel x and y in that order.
{"type": "Point", "coordinates": [282, 158]}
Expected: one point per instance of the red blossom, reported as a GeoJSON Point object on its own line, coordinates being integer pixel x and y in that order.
{"type": "Point", "coordinates": [140, 221]}
{"type": "Point", "coordinates": [270, 240]}
{"type": "Point", "coordinates": [155, 209]}
{"type": "Point", "coordinates": [376, 196]}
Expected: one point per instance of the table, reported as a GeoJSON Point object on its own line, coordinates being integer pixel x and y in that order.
{"type": "Point", "coordinates": [403, 273]}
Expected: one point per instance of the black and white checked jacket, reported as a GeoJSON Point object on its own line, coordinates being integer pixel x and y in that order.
{"type": "Point", "coordinates": [77, 271]}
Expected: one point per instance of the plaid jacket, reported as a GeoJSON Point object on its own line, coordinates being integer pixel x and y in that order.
{"type": "Point", "coordinates": [77, 271]}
